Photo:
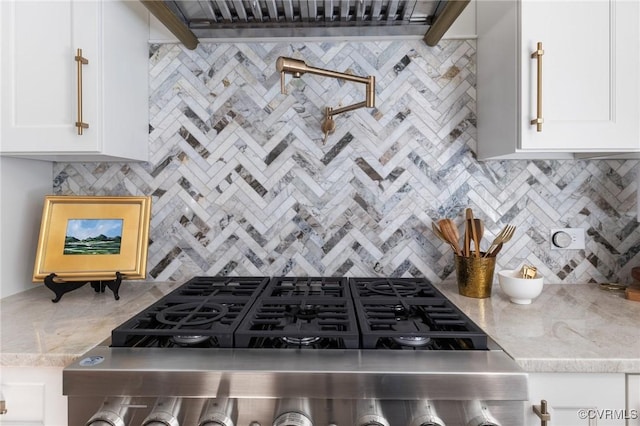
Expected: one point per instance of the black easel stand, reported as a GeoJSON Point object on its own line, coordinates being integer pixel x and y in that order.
{"type": "Point", "coordinates": [61, 288]}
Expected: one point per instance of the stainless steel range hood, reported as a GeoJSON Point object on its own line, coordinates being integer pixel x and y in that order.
{"type": "Point", "coordinates": [193, 20]}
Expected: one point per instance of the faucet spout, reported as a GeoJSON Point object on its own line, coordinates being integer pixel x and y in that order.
{"type": "Point", "coordinates": [298, 67]}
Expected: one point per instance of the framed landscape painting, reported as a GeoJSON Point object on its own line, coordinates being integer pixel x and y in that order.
{"type": "Point", "coordinates": [92, 238]}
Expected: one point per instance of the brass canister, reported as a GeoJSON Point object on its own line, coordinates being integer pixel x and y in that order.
{"type": "Point", "coordinates": [475, 275]}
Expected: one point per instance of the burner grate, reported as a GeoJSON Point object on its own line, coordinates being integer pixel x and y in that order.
{"type": "Point", "coordinates": [183, 319]}
{"type": "Point", "coordinates": [411, 314]}
{"type": "Point", "coordinates": [221, 286]}
{"type": "Point", "coordinates": [308, 287]}
{"type": "Point", "coordinates": [393, 287]}
{"type": "Point", "coordinates": [203, 311]}
{"type": "Point", "coordinates": [302, 313]}
{"type": "Point", "coordinates": [305, 322]}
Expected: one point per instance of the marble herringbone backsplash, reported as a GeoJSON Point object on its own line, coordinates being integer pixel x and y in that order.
{"type": "Point", "coordinates": [243, 185]}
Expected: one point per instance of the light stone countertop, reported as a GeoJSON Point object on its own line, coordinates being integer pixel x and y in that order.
{"type": "Point", "coordinates": [35, 332]}
{"type": "Point", "coordinates": [568, 328]}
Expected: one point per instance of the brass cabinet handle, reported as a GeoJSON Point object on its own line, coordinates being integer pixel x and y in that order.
{"type": "Point", "coordinates": [538, 120]}
{"type": "Point", "coordinates": [81, 61]}
{"type": "Point", "coordinates": [542, 412]}
{"type": "Point", "coordinates": [3, 404]}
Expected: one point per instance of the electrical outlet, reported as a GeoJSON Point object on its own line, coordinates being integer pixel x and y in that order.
{"type": "Point", "coordinates": [567, 239]}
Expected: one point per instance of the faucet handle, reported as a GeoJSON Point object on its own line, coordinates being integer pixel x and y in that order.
{"type": "Point", "coordinates": [328, 125]}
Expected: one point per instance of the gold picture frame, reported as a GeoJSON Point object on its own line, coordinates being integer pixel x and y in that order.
{"type": "Point", "coordinates": [72, 243]}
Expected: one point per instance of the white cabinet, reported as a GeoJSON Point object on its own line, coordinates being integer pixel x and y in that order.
{"type": "Point", "coordinates": [590, 74]}
{"type": "Point", "coordinates": [633, 399]}
{"type": "Point", "coordinates": [579, 399]}
{"type": "Point", "coordinates": [40, 80]}
{"type": "Point", "coordinates": [33, 396]}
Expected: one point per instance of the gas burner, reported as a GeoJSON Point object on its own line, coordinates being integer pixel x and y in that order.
{"type": "Point", "coordinates": [392, 287]}
{"type": "Point", "coordinates": [192, 314]}
{"type": "Point", "coordinates": [309, 323]}
{"type": "Point", "coordinates": [401, 311]}
{"type": "Point", "coordinates": [415, 324]}
{"type": "Point", "coordinates": [303, 311]}
{"type": "Point", "coordinates": [413, 341]}
{"type": "Point", "coordinates": [189, 340]}
{"type": "Point", "coordinates": [300, 341]}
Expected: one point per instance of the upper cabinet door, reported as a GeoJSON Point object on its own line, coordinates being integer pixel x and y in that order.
{"type": "Point", "coordinates": [589, 94]}
{"type": "Point", "coordinates": [46, 91]}
{"type": "Point", "coordinates": [40, 77]}
{"type": "Point", "coordinates": [585, 84]}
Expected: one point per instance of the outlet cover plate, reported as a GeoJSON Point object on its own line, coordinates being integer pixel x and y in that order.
{"type": "Point", "coordinates": [567, 239]}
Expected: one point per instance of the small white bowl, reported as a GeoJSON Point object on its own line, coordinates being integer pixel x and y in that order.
{"type": "Point", "coordinates": [520, 290]}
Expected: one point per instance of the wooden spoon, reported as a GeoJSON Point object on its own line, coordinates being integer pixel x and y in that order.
{"type": "Point", "coordinates": [440, 235]}
{"type": "Point", "coordinates": [438, 232]}
{"type": "Point", "coordinates": [479, 229]}
{"type": "Point", "coordinates": [453, 229]}
{"type": "Point", "coordinates": [450, 232]}
{"type": "Point", "coordinates": [474, 232]}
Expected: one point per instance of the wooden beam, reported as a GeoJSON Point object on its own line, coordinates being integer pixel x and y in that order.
{"type": "Point", "coordinates": [178, 28]}
{"type": "Point", "coordinates": [443, 22]}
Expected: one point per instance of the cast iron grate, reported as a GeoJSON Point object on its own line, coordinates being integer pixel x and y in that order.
{"type": "Point", "coordinates": [221, 286]}
{"type": "Point", "coordinates": [307, 287]}
{"type": "Point", "coordinates": [300, 323]}
{"type": "Point", "coordinates": [204, 311]}
{"type": "Point", "coordinates": [303, 313]}
{"type": "Point", "coordinates": [416, 324]}
{"type": "Point", "coordinates": [393, 287]}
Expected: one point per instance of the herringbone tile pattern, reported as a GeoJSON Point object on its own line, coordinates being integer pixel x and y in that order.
{"type": "Point", "coordinates": [243, 185]}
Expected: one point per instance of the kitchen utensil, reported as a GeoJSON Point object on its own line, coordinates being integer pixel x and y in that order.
{"type": "Point", "coordinates": [479, 229]}
{"type": "Point", "coordinates": [440, 235]}
{"type": "Point", "coordinates": [505, 235]}
{"type": "Point", "coordinates": [467, 236]}
{"type": "Point", "coordinates": [438, 232]}
{"type": "Point", "coordinates": [528, 272]}
{"type": "Point", "coordinates": [508, 236]}
{"type": "Point", "coordinates": [479, 226]}
{"type": "Point", "coordinates": [450, 232]}
{"type": "Point", "coordinates": [494, 252]}
{"type": "Point", "coordinates": [474, 231]}
{"type": "Point", "coordinates": [453, 229]}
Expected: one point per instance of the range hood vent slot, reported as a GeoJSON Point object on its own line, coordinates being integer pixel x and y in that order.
{"type": "Point", "coordinates": [194, 20]}
{"type": "Point", "coordinates": [211, 13]}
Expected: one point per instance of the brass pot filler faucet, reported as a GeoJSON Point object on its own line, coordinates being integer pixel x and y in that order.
{"type": "Point", "coordinates": [297, 67]}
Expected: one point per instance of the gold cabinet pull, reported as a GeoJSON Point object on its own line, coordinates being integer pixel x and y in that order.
{"type": "Point", "coordinates": [81, 61]}
{"type": "Point", "coordinates": [3, 404]}
{"type": "Point", "coordinates": [542, 412]}
{"type": "Point", "coordinates": [538, 120]}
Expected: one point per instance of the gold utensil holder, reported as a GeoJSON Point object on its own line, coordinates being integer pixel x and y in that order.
{"type": "Point", "coordinates": [475, 275]}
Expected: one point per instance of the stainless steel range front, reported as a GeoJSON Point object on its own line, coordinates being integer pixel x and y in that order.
{"type": "Point", "coordinates": [284, 351]}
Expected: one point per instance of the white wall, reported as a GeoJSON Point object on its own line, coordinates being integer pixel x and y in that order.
{"type": "Point", "coordinates": [465, 25]}
{"type": "Point", "coordinates": [23, 185]}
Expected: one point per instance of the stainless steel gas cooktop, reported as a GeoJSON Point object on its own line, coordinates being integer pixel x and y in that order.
{"type": "Point", "coordinates": [298, 351]}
